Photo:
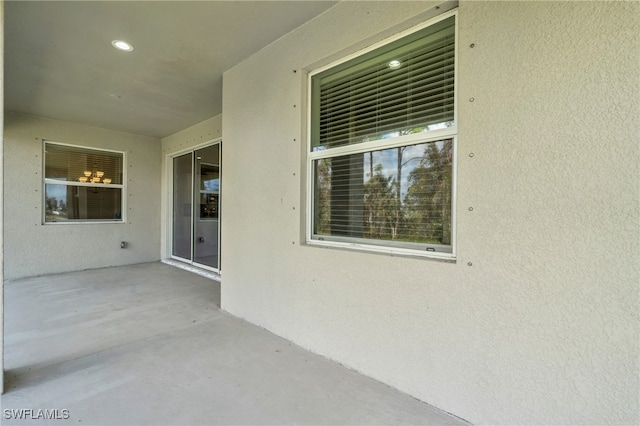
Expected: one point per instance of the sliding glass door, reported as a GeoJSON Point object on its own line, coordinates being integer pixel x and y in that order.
{"type": "Point", "coordinates": [182, 206]}
{"type": "Point", "coordinates": [196, 207]}
{"type": "Point", "coordinates": [207, 213]}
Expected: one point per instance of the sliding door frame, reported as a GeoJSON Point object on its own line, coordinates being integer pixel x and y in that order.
{"type": "Point", "coordinates": [168, 249]}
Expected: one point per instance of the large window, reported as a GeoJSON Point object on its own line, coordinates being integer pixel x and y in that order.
{"type": "Point", "coordinates": [382, 146]}
{"type": "Point", "coordinates": [82, 184]}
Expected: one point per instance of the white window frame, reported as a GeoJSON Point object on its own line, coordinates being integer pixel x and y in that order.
{"type": "Point", "coordinates": [385, 247]}
{"type": "Point", "coordinates": [122, 187]}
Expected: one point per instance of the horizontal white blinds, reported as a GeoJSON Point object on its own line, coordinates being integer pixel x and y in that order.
{"type": "Point", "coordinates": [401, 195]}
{"type": "Point", "coordinates": [366, 99]}
{"type": "Point", "coordinates": [68, 163]}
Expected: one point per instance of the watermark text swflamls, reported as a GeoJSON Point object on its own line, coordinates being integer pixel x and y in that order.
{"type": "Point", "coordinates": [39, 414]}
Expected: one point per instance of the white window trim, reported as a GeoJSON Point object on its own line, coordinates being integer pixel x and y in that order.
{"type": "Point", "coordinates": [45, 181]}
{"type": "Point", "coordinates": [425, 137]}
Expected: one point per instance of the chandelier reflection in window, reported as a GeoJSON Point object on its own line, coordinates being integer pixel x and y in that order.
{"type": "Point", "coordinates": [94, 176]}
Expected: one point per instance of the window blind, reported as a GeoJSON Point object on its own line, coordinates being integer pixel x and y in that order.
{"type": "Point", "coordinates": [67, 163]}
{"type": "Point", "coordinates": [368, 99]}
{"type": "Point", "coordinates": [400, 195]}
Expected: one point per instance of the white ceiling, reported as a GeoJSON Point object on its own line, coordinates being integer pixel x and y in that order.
{"type": "Point", "coordinates": [59, 62]}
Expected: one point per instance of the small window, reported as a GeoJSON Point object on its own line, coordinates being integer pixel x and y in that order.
{"type": "Point", "coordinates": [82, 184]}
{"type": "Point", "coordinates": [382, 146]}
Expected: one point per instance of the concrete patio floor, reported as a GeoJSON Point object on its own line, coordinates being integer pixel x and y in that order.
{"type": "Point", "coordinates": [148, 344]}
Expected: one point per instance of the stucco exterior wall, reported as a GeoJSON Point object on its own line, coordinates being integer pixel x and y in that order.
{"type": "Point", "coordinates": [537, 320]}
{"type": "Point", "coordinates": [33, 248]}
{"type": "Point", "coordinates": [201, 133]}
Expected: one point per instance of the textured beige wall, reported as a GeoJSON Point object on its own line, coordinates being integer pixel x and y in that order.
{"type": "Point", "coordinates": [203, 132]}
{"type": "Point", "coordinates": [543, 327]}
{"type": "Point", "coordinates": [33, 248]}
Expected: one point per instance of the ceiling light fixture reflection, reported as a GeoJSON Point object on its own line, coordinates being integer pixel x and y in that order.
{"type": "Point", "coordinates": [94, 176]}
{"type": "Point", "coordinates": [394, 64]}
{"type": "Point", "coordinates": [122, 45]}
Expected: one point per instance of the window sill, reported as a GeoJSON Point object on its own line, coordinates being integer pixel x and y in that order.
{"type": "Point", "coordinates": [88, 222]}
{"type": "Point", "coordinates": [392, 252]}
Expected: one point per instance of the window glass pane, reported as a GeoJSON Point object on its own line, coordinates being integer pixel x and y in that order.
{"type": "Point", "coordinates": [398, 195]}
{"type": "Point", "coordinates": [72, 164]}
{"type": "Point", "coordinates": [182, 205]}
{"type": "Point", "coordinates": [71, 202]}
{"type": "Point", "coordinates": [206, 247]}
{"type": "Point", "coordinates": [402, 88]}
{"type": "Point", "coordinates": [210, 178]}
{"type": "Point", "coordinates": [208, 161]}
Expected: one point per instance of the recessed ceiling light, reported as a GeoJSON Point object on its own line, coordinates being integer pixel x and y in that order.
{"type": "Point", "coordinates": [122, 45]}
{"type": "Point", "coordinates": [394, 64]}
